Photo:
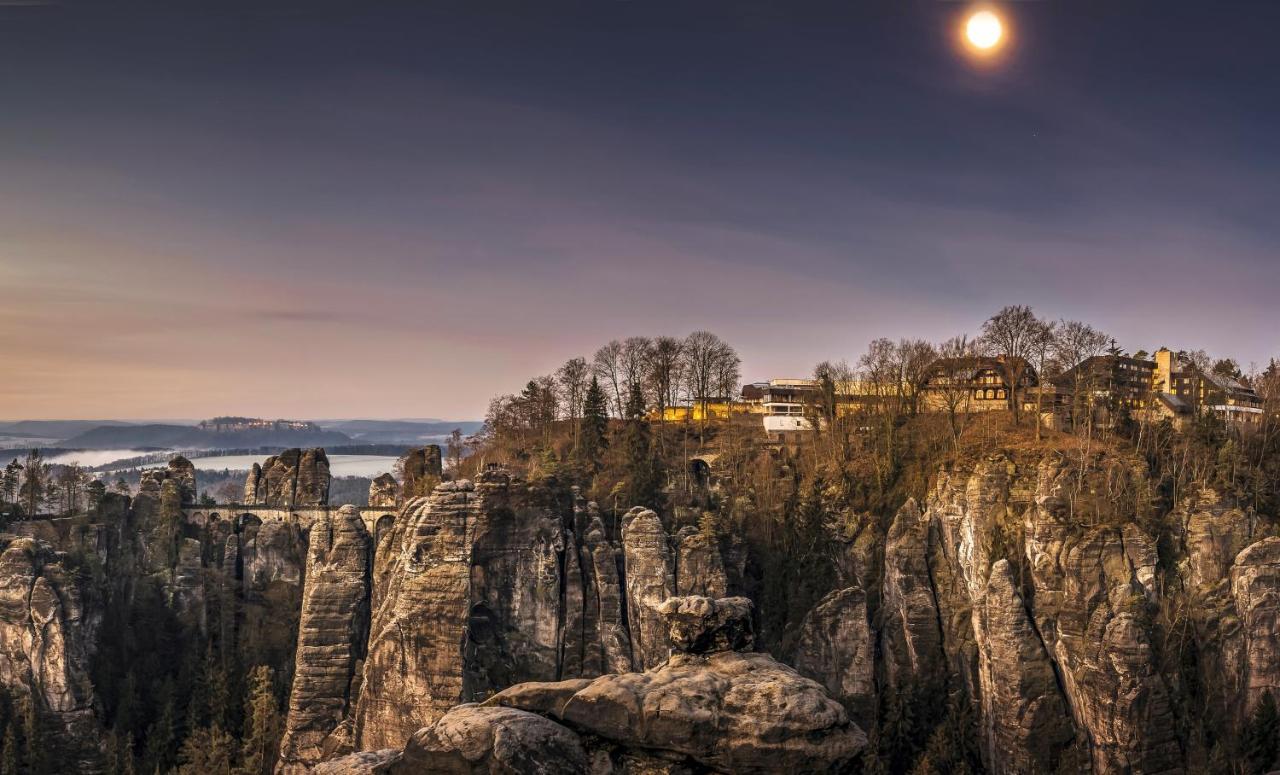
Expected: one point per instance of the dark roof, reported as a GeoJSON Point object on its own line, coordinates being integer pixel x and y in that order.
{"type": "Point", "coordinates": [1175, 404]}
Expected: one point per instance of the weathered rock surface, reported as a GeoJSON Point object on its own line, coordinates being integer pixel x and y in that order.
{"type": "Point", "coordinates": [1255, 585]}
{"type": "Point", "coordinates": [608, 641]}
{"type": "Point", "coordinates": [384, 490]}
{"type": "Point", "coordinates": [513, 631]}
{"type": "Point", "coordinates": [45, 645]}
{"type": "Point", "coordinates": [910, 635]}
{"type": "Point", "coordinates": [649, 581]}
{"type": "Point", "coordinates": [421, 469]}
{"type": "Point", "coordinates": [1027, 723]}
{"type": "Point", "coordinates": [1094, 615]}
{"type": "Point", "coordinates": [725, 711]}
{"type": "Point", "coordinates": [837, 649]}
{"type": "Point", "coordinates": [699, 568]}
{"type": "Point", "coordinates": [702, 625]}
{"type": "Point", "coordinates": [272, 558]}
{"type": "Point", "coordinates": [413, 672]}
{"type": "Point", "coordinates": [491, 740]}
{"type": "Point", "coordinates": [332, 633]}
{"type": "Point", "coordinates": [295, 477]}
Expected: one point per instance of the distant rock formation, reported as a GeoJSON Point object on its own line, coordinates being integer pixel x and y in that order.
{"type": "Point", "coordinates": [294, 478]}
{"type": "Point", "coordinates": [421, 470]}
{"type": "Point", "coordinates": [384, 491]}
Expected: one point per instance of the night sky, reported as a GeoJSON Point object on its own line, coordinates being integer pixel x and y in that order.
{"type": "Point", "coordinates": [371, 209]}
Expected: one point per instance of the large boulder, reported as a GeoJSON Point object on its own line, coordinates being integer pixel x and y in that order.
{"type": "Point", "coordinates": [474, 740]}
{"type": "Point", "coordinates": [701, 625]}
{"type": "Point", "coordinates": [728, 711]}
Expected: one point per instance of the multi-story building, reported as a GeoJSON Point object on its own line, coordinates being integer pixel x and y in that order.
{"type": "Point", "coordinates": [1204, 391]}
{"type": "Point", "coordinates": [1167, 386]}
{"type": "Point", "coordinates": [983, 379]}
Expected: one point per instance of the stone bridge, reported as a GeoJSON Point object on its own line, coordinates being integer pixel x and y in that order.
{"type": "Point", "coordinates": [377, 519]}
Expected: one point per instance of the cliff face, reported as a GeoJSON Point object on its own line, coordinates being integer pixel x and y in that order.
{"type": "Point", "coordinates": [332, 633]}
{"type": "Point", "coordinates": [1043, 600]}
{"type": "Point", "coordinates": [45, 643]}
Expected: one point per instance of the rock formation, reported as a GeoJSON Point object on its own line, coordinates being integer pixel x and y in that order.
{"type": "Point", "coordinates": [384, 490]}
{"type": "Point", "coordinates": [332, 633]}
{"type": "Point", "coordinates": [45, 645]}
{"type": "Point", "coordinates": [649, 581]}
{"type": "Point", "coordinates": [1027, 724]}
{"type": "Point", "coordinates": [295, 477]}
{"type": "Point", "coordinates": [719, 711]}
{"type": "Point", "coordinates": [421, 469]}
{"type": "Point", "coordinates": [1255, 586]}
{"type": "Point", "coordinates": [414, 669]}
{"type": "Point", "coordinates": [910, 635]}
{"type": "Point", "coordinates": [837, 649]}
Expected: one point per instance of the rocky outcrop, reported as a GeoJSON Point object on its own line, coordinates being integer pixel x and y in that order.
{"type": "Point", "coordinates": [413, 672]}
{"type": "Point", "coordinates": [421, 469]}
{"type": "Point", "coordinates": [1255, 587]}
{"type": "Point", "coordinates": [608, 641]}
{"type": "Point", "coordinates": [384, 491]}
{"type": "Point", "coordinates": [332, 633]}
{"type": "Point", "coordinates": [701, 625]}
{"type": "Point", "coordinates": [699, 568]}
{"type": "Point", "coordinates": [272, 558]}
{"type": "Point", "coordinates": [837, 649]}
{"type": "Point", "coordinates": [1093, 614]}
{"type": "Point", "coordinates": [513, 630]}
{"type": "Point", "coordinates": [721, 711]}
{"type": "Point", "coordinates": [911, 638]}
{"type": "Point", "coordinates": [483, 740]}
{"type": "Point", "coordinates": [649, 581]}
{"type": "Point", "coordinates": [295, 477]}
{"type": "Point", "coordinates": [45, 646]}
{"type": "Point", "coordinates": [1027, 723]}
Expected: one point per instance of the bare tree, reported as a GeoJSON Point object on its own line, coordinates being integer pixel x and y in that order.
{"type": "Point", "coordinates": [633, 362]}
{"type": "Point", "coordinates": [880, 371]}
{"type": "Point", "coordinates": [571, 381]}
{"type": "Point", "coordinates": [1074, 343]}
{"type": "Point", "coordinates": [915, 357]}
{"type": "Point", "coordinates": [1010, 334]}
{"type": "Point", "coordinates": [953, 380]}
{"type": "Point", "coordinates": [710, 366]}
{"type": "Point", "coordinates": [607, 367]}
{"type": "Point", "coordinates": [664, 371]}
{"type": "Point", "coordinates": [1040, 351]}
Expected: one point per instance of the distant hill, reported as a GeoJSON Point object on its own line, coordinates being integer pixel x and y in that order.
{"type": "Point", "coordinates": [54, 429]}
{"type": "Point", "coordinates": [400, 431]}
{"type": "Point", "coordinates": [192, 437]}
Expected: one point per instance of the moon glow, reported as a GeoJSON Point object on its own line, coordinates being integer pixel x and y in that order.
{"type": "Point", "coordinates": [984, 30]}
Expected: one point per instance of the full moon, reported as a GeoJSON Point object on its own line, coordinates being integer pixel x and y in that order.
{"type": "Point", "coordinates": [984, 30]}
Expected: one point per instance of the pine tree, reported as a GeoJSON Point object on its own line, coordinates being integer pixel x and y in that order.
{"type": "Point", "coordinates": [162, 734]}
{"type": "Point", "coordinates": [1261, 737]}
{"type": "Point", "coordinates": [9, 760]}
{"type": "Point", "coordinates": [262, 723]}
{"type": "Point", "coordinates": [208, 751]}
{"type": "Point", "coordinates": [595, 421]}
{"type": "Point", "coordinates": [34, 761]}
